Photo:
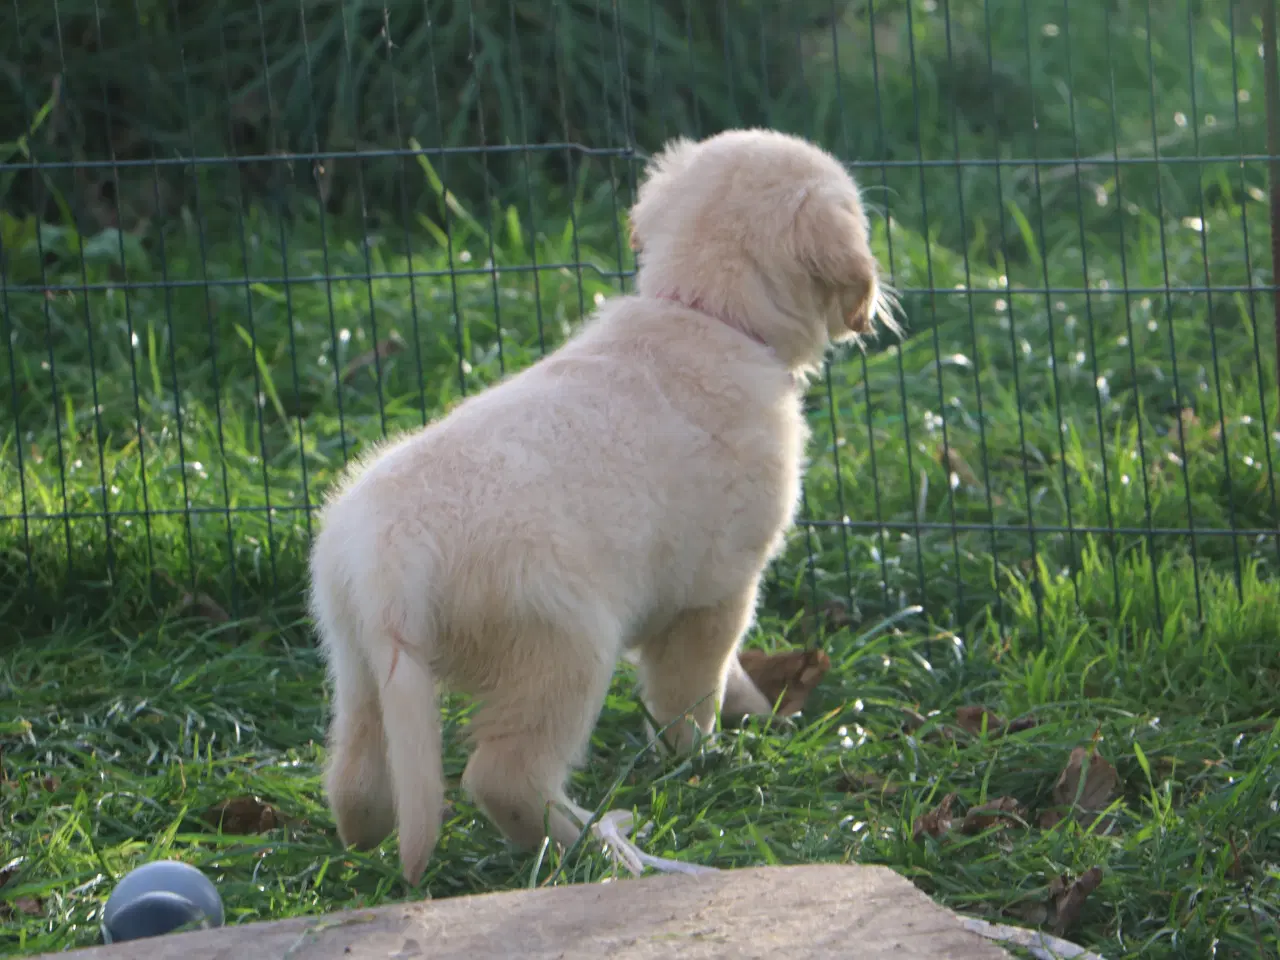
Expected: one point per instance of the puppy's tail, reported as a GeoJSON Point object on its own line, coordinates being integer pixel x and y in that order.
{"type": "Point", "coordinates": [411, 722]}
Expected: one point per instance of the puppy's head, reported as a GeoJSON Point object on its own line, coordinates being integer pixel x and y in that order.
{"type": "Point", "coordinates": [765, 228]}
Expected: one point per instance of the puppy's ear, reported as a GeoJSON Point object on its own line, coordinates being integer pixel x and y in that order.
{"type": "Point", "coordinates": [829, 239]}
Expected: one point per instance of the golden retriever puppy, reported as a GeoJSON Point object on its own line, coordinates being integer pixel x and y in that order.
{"type": "Point", "coordinates": [621, 496]}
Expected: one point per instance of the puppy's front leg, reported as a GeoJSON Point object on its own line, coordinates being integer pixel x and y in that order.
{"type": "Point", "coordinates": [686, 669]}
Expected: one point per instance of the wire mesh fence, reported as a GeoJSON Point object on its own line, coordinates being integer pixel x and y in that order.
{"type": "Point", "coordinates": [241, 246]}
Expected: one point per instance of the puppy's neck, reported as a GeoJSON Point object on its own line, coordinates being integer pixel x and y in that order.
{"type": "Point", "coordinates": [742, 300]}
{"type": "Point", "coordinates": [730, 320]}
{"type": "Point", "coordinates": [697, 306]}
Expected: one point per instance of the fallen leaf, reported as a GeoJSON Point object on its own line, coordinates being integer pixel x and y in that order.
{"type": "Point", "coordinates": [1069, 898]}
{"type": "Point", "coordinates": [241, 816]}
{"type": "Point", "coordinates": [1002, 810]}
{"type": "Point", "coordinates": [249, 109]}
{"type": "Point", "coordinates": [865, 781]}
{"type": "Point", "coordinates": [1050, 819]}
{"type": "Point", "coordinates": [970, 720]}
{"type": "Point", "coordinates": [205, 606]}
{"type": "Point", "coordinates": [385, 348]}
{"type": "Point", "coordinates": [1034, 912]}
{"type": "Point", "coordinates": [1020, 724]}
{"type": "Point", "coordinates": [954, 463]}
{"type": "Point", "coordinates": [835, 615]}
{"type": "Point", "coordinates": [831, 617]}
{"type": "Point", "coordinates": [936, 822]}
{"type": "Point", "coordinates": [1236, 868]}
{"type": "Point", "coordinates": [1060, 908]}
{"type": "Point", "coordinates": [50, 783]}
{"type": "Point", "coordinates": [914, 720]}
{"type": "Point", "coordinates": [794, 673]}
{"type": "Point", "coordinates": [1099, 784]}
{"type": "Point", "coordinates": [31, 906]}
{"type": "Point", "coordinates": [202, 603]}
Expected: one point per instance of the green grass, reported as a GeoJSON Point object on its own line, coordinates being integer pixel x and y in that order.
{"type": "Point", "coordinates": [144, 730]}
{"type": "Point", "coordinates": [971, 461]}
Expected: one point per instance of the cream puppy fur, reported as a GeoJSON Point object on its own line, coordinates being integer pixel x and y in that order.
{"type": "Point", "coordinates": [621, 496]}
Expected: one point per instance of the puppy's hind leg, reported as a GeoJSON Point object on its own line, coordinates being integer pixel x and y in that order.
{"type": "Point", "coordinates": [685, 670]}
{"type": "Point", "coordinates": [533, 726]}
{"type": "Point", "coordinates": [357, 778]}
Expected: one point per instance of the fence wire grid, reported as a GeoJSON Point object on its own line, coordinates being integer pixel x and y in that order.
{"type": "Point", "coordinates": [239, 246]}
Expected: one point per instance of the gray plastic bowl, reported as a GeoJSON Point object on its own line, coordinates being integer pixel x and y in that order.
{"type": "Point", "coordinates": [158, 898]}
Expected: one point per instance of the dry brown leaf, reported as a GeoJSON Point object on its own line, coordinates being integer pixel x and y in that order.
{"type": "Point", "coordinates": [1061, 908]}
{"type": "Point", "coordinates": [794, 673]}
{"type": "Point", "coordinates": [1235, 870]}
{"type": "Point", "coordinates": [1050, 819]}
{"type": "Point", "coordinates": [970, 720]}
{"type": "Point", "coordinates": [829, 618]}
{"type": "Point", "coordinates": [50, 783]}
{"type": "Point", "coordinates": [863, 781]}
{"type": "Point", "coordinates": [1002, 810]}
{"type": "Point", "coordinates": [384, 348]}
{"type": "Point", "coordinates": [835, 615]}
{"type": "Point", "coordinates": [954, 463]}
{"type": "Point", "coordinates": [1069, 898]}
{"type": "Point", "coordinates": [1099, 784]}
{"type": "Point", "coordinates": [201, 603]}
{"type": "Point", "coordinates": [936, 822]}
{"type": "Point", "coordinates": [205, 606]}
{"type": "Point", "coordinates": [1034, 912]}
{"type": "Point", "coordinates": [241, 816]}
{"type": "Point", "coordinates": [1021, 723]}
{"type": "Point", "coordinates": [913, 721]}
{"type": "Point", "coordinates": [31, 906]}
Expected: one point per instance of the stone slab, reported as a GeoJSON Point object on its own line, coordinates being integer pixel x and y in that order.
{"type": "Point", "coordinates": [816, 912]}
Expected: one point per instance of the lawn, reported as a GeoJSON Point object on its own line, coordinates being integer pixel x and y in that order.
{"type": "Point", "coordinates": [997, 511]}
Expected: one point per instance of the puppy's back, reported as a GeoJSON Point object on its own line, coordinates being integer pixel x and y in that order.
{"type": "Point", "coordinates": [605, 467]}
